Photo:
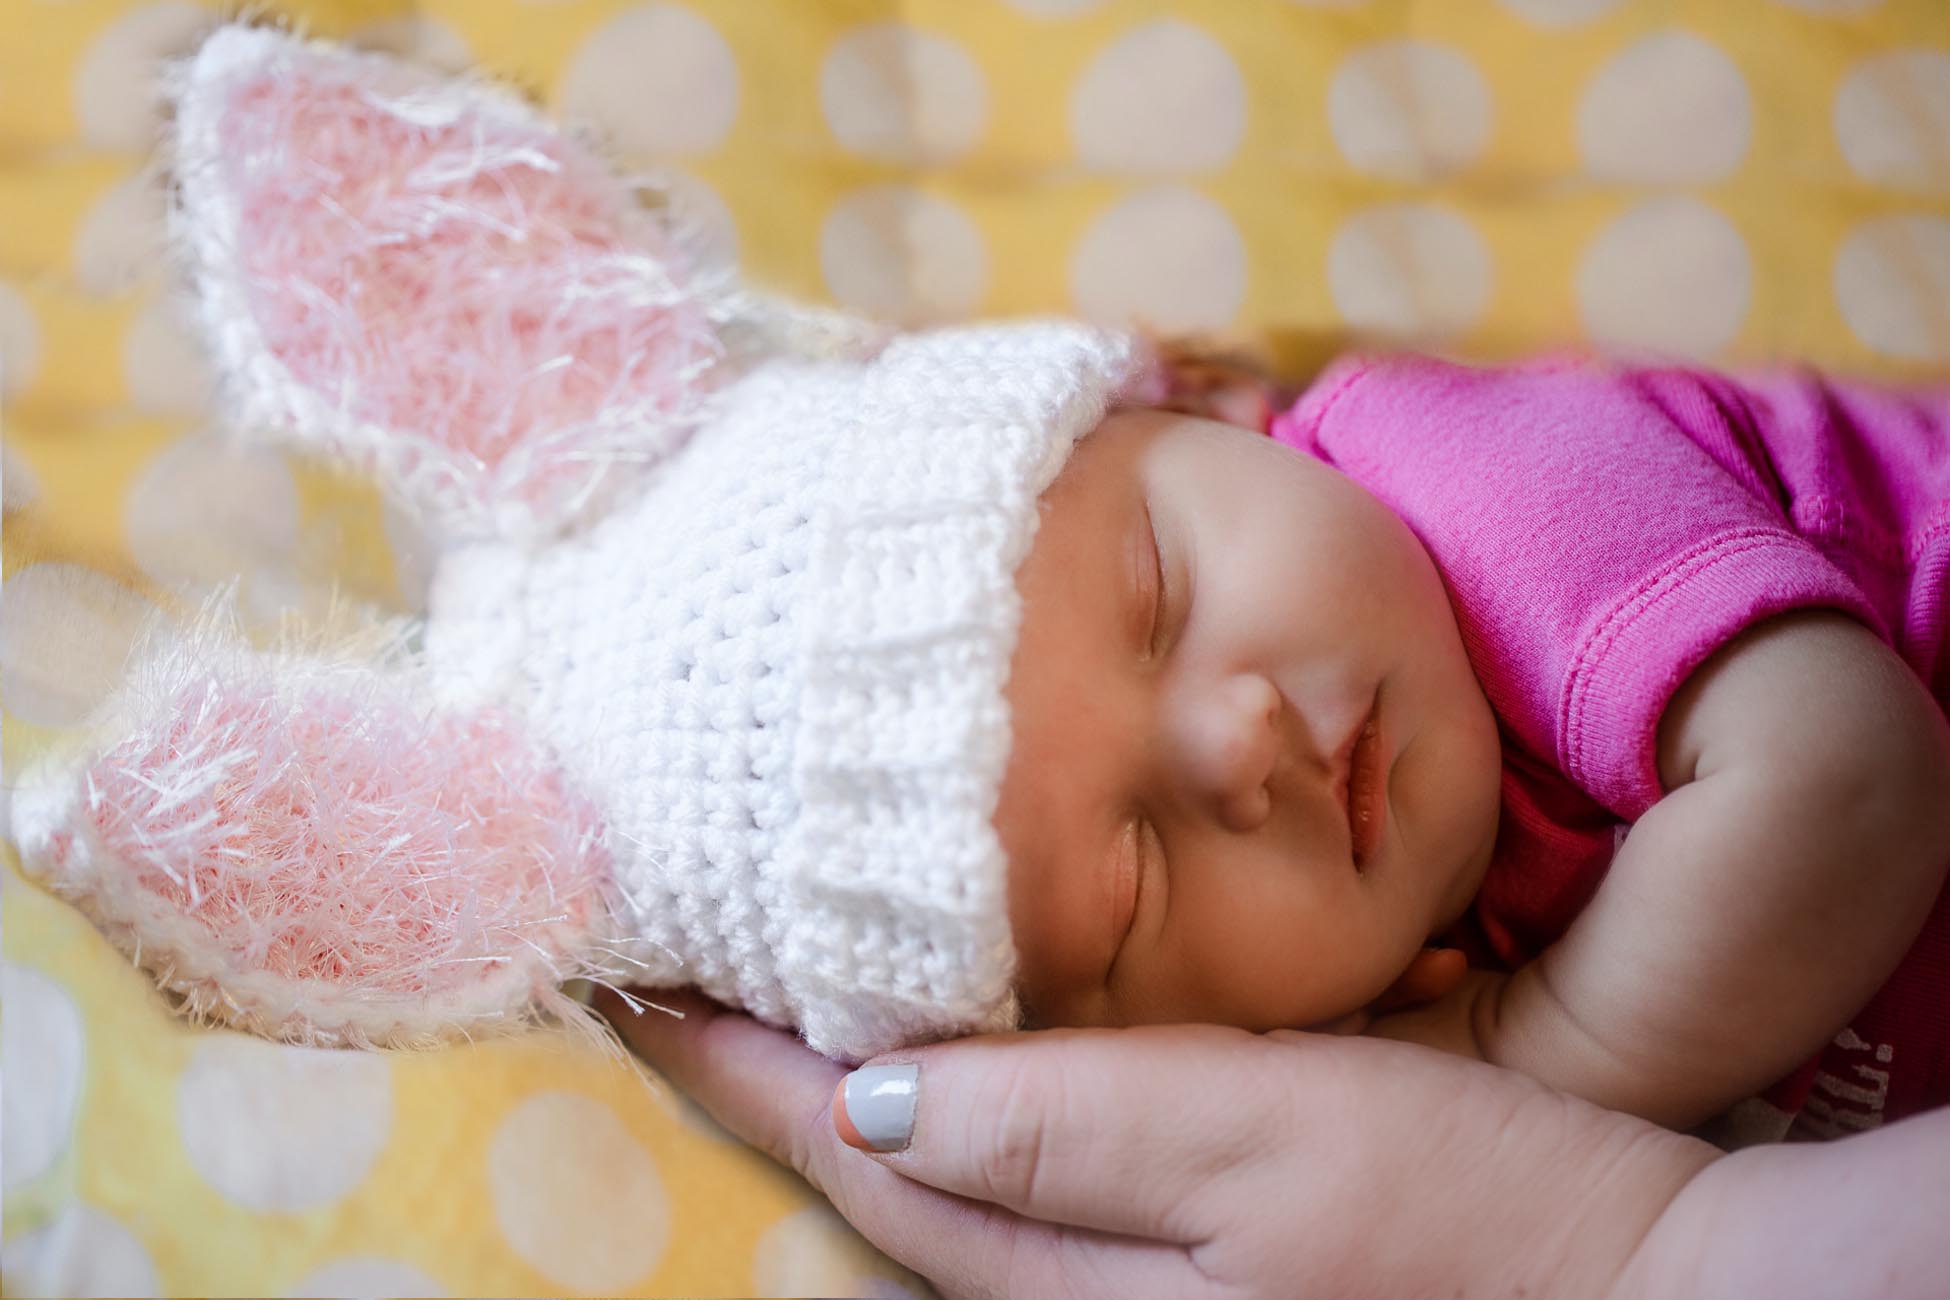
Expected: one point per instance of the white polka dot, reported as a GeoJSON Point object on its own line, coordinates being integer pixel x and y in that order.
{"type": "Point", "coordinates": [703, 222]}
{"type": "Point", "coordinates": [365, 1275]}
{"type": "Point", "coordinates": [1162, 98]}
{"type": "Point", "coordinates": [657, 80]}
{"type": "Point", "coordinates": [1408, 272]}
{"type": "Point", "coordinates": [1833, 8]}
{"type": "Point", "coordinates": [1892, 282]}
{"type": "Point", "coordinates": [162, 363]}
{"type": "Point", "coordinates": [279, 1128]}
{"type": "Point", "coordinates": [117, 91]}
{"type": "Point", "coordinates": [82, 1252]}
{"type": "Point", "coordinates": [422, 39]}
{"type": "Point", "coordinates": [1054, 8]}
{"type": "Point", "coordinates": [576, 1195]}
{"type": "Point", "coordinates": [1560, 13]}
{"type": "Point", "coordinates": [1670, 276]}
{"type": "Point", "coordinates": [1667, 110]}
{"type": "Point", "coordinates": [894, 93]}
{"type": "Point", "coordinates": [20, 342]}
{"type": "Point", "coordinates": [64, 641]}
{"type": "Point", "coordinates": [903, 255]}
{"type": "Point", "coordinates": [1168, 258]}
{"type": "Point", "coordinates": [1892, 119]}
{"type": "Point", "coordinates": [119, 241]}
{"type": "Point", "coordinates": [204, 512]}
{"type": "Point", "coordinates": [812, 1252]}
{"type": "Point", "coordinates": [42, 1059]}
{"type": "Point", "coordinates": [1408, 110]}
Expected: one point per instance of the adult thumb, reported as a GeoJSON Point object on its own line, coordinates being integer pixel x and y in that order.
{"type": "Point", "coordinates": [1110, 1129]}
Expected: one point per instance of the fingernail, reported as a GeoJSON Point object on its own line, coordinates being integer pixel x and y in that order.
{"type": "Point", "coordinates": [873, 1108]}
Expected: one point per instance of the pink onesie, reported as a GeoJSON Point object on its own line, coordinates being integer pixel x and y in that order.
{"type": "Point", "coordinates": [1601, 533]}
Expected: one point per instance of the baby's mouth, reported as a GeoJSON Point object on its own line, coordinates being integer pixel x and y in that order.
{"type": "Point", "coordinates": [1359, 787]}
{"type": "Point", "coordinates": [1367, 793]}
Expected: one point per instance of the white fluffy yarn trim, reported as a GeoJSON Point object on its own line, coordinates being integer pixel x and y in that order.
{"type": "Point", "coordinates": [456, 494]}
{"type": "Point", "coordinates": [308, 875]}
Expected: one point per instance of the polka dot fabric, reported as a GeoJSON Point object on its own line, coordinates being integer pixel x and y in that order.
{"type": "Point", "coordinates": [1719, 181]}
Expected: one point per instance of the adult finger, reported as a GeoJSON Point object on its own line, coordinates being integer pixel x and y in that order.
{"type": "Point", "coordinates": [771, 1090]}
{"type": "Point", "coordinates": [1122, 1131]}
{"type": "Point", "coordinates": [761, 1084]}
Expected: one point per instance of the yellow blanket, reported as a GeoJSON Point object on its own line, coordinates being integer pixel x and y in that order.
{"type": "Point", "coordinates": [1721, 179]}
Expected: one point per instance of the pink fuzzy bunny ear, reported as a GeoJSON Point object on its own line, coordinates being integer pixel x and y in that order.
{"type": "Point", "coordinates": [419, 274]}
{"type": "Point", "coordinates": [307, 847]}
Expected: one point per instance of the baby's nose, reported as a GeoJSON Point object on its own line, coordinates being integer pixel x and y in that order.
{"type": "Point", "coordinates": [1230, 746]}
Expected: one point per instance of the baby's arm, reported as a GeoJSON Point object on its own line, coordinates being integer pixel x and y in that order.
{"type": "Point", "coordinates": [1754, 908]}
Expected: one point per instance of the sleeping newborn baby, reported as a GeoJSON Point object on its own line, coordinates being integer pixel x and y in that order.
{"type": "Point", "coordinates": [1271, 693]}
{"type": "Point", "coordinates": [895, 686]}
{"type": "Point", "coordinates": [1252, 772]}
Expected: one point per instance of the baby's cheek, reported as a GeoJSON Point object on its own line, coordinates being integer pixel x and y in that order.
{"type": "Point", "coordinates": [1061, 951]}
{"type": "Point", "coordinates": [1267, 959]}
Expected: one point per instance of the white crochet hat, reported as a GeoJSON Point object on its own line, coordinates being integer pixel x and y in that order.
{"type": "Point", "coordinates": [780, 670]}
{"type": "Point", "coordinates": [724, 601]}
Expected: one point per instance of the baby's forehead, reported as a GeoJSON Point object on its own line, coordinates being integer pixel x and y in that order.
{"type": "Point", "coordinates": [1113, 451]}
{"type": "Point", "coordinates": [1095, 468]}
{"type": "Point", "coordinates": [1112, 444]}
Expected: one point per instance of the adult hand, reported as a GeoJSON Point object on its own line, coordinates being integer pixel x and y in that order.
{"type": "Point", "coordinates": [1188, 1161]}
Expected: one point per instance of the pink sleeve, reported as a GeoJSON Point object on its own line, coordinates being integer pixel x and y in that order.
{"type": "Point", "coordinates": [1595, 553]}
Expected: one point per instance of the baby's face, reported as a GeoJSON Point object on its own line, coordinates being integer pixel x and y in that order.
{"type": "Point", "coordinates": [1212, 623]}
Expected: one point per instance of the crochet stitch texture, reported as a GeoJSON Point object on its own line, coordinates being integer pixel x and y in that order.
{"type": "Point", "coordinates": [781, 669]}
{"type": "Point", "coordinates": [712, 683]}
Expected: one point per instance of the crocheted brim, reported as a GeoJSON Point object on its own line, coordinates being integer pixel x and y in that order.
{"type": "Point", "coordinates": [895, 908]}
{"type": "Point", "coordinates": [781, 673]}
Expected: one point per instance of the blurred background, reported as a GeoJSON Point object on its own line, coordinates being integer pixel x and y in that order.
{"type": "Point", "coordinates": [1724, 181]}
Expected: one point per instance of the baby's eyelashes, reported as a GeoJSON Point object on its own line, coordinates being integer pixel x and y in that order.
{"type": "Point", "coordinates": [1152, 643]}
{"type": "Point", "coordinates": [1141, 867]}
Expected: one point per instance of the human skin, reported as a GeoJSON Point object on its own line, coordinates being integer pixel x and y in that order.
{"type": "Point", "coordinates": [1191, 1161]}
{"type": "Point", "coordinates": [1178, 851]}
{"type": "Point", "coordinates": [1798, 849]}
{"type": "Point", "coordinates": [1209, 619]}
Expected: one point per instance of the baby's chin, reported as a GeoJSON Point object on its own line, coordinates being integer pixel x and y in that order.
{"type": "Point", "coordinates": [1468, 881]}
{"type": "Point", "coordinates": [1451, 881]}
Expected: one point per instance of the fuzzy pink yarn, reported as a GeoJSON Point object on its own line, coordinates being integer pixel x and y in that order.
{"type": "Point", "coordinates": [475, 286]}
{"type": "Point", "coordinates": [311, 856]}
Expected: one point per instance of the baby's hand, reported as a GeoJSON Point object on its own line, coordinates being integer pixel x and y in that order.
{"type": "Point", "coordinates": [1218, 386]}
{"type": "Point", "coordinates": [1462, 1021]}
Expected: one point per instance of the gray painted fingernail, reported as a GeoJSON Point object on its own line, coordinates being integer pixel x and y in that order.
{"type": "Point", "coordinates": [880, 1102]}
